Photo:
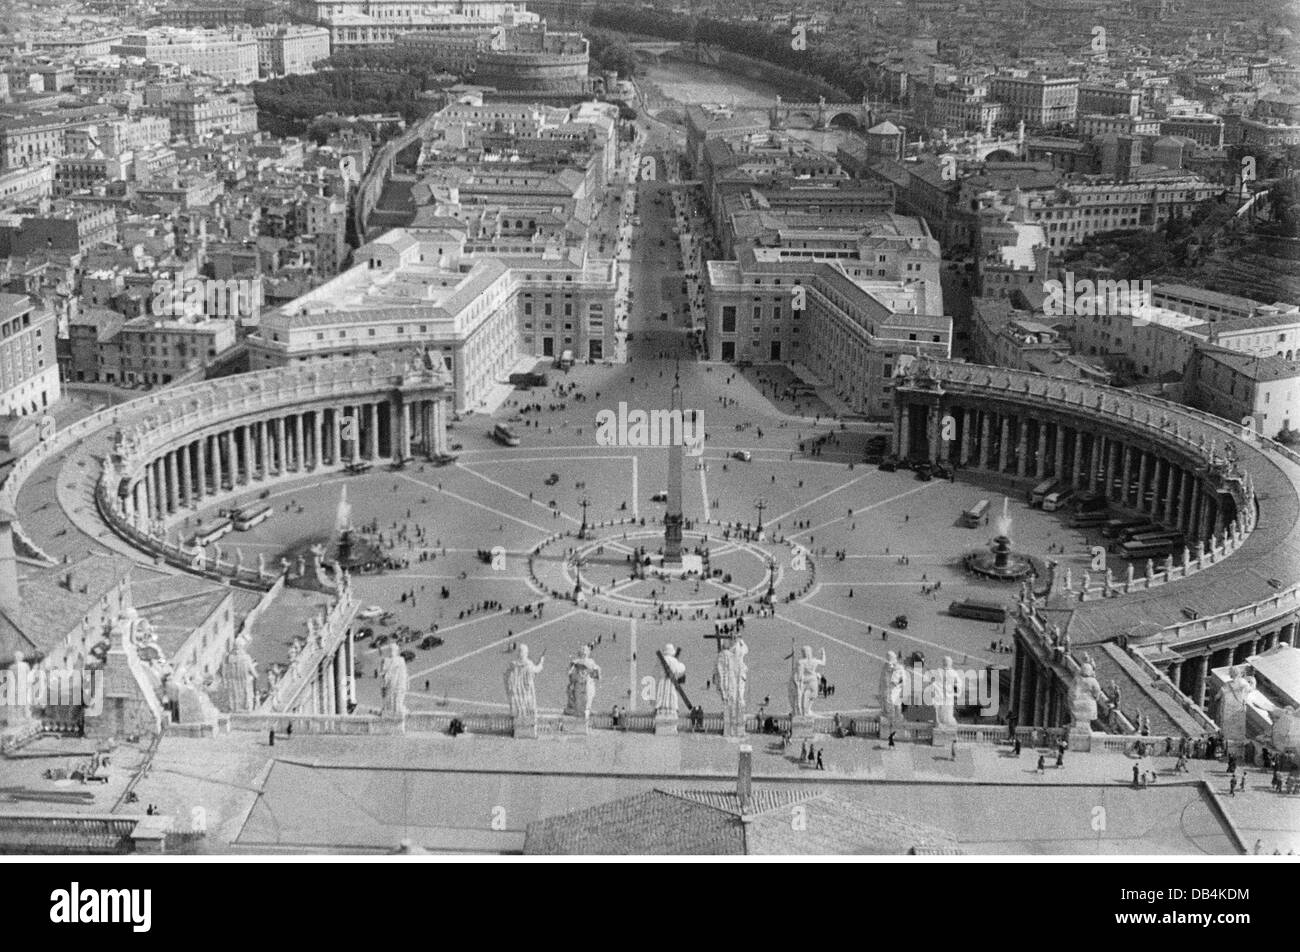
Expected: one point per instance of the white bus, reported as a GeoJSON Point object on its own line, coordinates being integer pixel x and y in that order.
{"type": "Point", "coordinates": [250, 516]}
{"type": "Point", "coordinates": [1057, 500]}
{"type": "Point", "coordinates": [209, 532]}
{"type": "Point", "coordinates": [1042, 491]}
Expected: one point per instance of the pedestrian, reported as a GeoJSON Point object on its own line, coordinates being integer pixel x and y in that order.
{"type": "Point", "coordinates": [820, 765]}
{"type": "Point", "coordinates": [1017, 747]}
{"type": "Point", "coordinates": [1060, 757]}
{"type": "Point", "coordinates": [288, 729]}
{"type": "Point", "coordinates": [1137, 776]}
{"type": "Point", "coordinates": [803, 750]}
{"type": "Point", "coordinates": [1232, 786]}
{"type": "Point", "coordinates": [893, 733]}
{"type": "Point", "coordinates": [954, 750]}
{"type": "Point", "coordinates": [272, 737]}
{"type": "Point", "coordinates": [1042, 763]}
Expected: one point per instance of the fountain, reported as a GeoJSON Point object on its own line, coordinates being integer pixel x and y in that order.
{"type": "Point", "coordinates": [998, 561]}
{"type": "Point", "coordinates": [355, 551]}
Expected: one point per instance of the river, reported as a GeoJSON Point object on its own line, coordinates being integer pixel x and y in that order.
{"type": "Point", "coordinates": [695, 83]}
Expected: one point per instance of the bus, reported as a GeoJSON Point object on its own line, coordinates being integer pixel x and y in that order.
{"type": "Point", "coordinates": [978, 610]}
{"type": "Point", "coordinates": [504, 435]}
{"type": "Point", "coordinates": [973, 517]}
{"type": "Point", "coordinates": [249, 516]}
{"type": "Point", "coordinates": [1090, 502]}
{"type": "Point", "coordinates": [209, 532]}
{"type": "Point", "coordinates": [1042, 491]}
{"type": "Point", "coordinates": [1084, 519]}
{"type": "Point", "coordinates": [1147, 550]}
{"type": "Point", "coordinates": [1113, 527]}
{"type": "Point", "coordinates": [1165, 536]}
{"type": "Point", "coordinates": [1057, 500]}
{"type": "Point", "coordinates": [1128, 532]}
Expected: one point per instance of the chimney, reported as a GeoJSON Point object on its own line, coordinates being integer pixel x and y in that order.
{"type": "Point", "coordinates": [10, 600]}
{"type": "Point", "coordinates": [744, 775]}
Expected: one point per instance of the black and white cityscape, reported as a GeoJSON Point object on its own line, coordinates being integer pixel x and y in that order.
{"type": "Point", "coordinates": [680, 428]}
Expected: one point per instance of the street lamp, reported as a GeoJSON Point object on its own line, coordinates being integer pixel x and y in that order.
{"type": "Point", "coordinates": [760, 506]}
{"type": "Point", "coordinates": [582, 530]}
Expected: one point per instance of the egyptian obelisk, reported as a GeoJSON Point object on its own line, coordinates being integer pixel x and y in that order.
{"type": "Point", "coordinates": [673, 514]}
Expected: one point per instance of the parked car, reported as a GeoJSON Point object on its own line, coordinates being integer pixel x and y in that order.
{"type": "Point", "coordinates": [430, 641]}
{"type": "Point", "coordinates": [408, 656]}
{"type": "Point", "coordinates": [552, 479]}
{"type": "Point", "coordinates": [371, 612]}
{"type": "Point", "coordinates": [745, 456]}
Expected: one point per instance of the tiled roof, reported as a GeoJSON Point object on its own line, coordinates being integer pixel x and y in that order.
{"type": "Point", "coordinates": [654, 823]}
{"type": "Point", "coordinates": [695, 822]}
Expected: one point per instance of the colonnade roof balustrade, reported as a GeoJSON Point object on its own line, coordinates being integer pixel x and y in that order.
{"type": "Point", "coordinates": [1256, 584]}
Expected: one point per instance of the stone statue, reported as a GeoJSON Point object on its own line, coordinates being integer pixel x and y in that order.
{"type": "Point", "coordinates": [943, 690]}
{"type": "Point", "coordinates": [731, 674]}
{"type": "Point", "coordinates": [1234, 703]}
{"type": "Point", "coordinates": [1083, 702]}
{"type": "Point", "coordinates": [1285, 733]}
{"type": "Point", "coordinates": [805, 676]}
{"type": "Point", "coordinates": [521, 689]}
{"type": "Point", "coordinates": [192, 701]}
{"type": "Point", "coordinates": [666, 690]}
{"type": "Point", "coordinates": [393, 692]}
{"type": "Point", "coordinates": [18, 690]}
{"type": "Point", "coordinates": [892, 680]}
{"type": "Point", "coordinates": [239, 679]}
{"type": "Point", "coordinates": [583, 675]}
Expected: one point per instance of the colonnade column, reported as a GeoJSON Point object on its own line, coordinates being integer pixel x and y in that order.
{"type": "Point", "coordinates": [967, 435]}
{"type": "Point", "coordinates": [373, 416]}
{"type": "Point", "coordinates": [1004, 444]}
{"type": "Point", "coordinates": [1040, 460]}
{"type": "Point", "coordinates": [1022, 445]}
{"type": "Point", "coordinates": [187, 487]}
{"type": "Point", "coordinates": [905, 434]}
{"type": "Point", "coordinates": [317, 430]}
{"type": "Point", "coordinates": [1140, 504]}
{"type": "Point", "coordinates": [281, 446]}
{"type": "Point", "coordinates": [1076, 467]}
{"type": "Point", "coordinates": [299, 443]}
{"type": "Point", "coordinates": [986, 447]}
{"type": "Point", "coordinates": [1112, 468]}
{"type": "Point", "coordinates": [173, 488]}
{"type": "Point", "coordinates": [1058, 440]}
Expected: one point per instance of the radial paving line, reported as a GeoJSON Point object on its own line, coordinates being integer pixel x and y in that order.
{"type": "Point", "coordinates": [858, 512]}
{"type": "Point", "coordinates": [837, 641]}
{"type": "Point", "coordinates": [493, 482]}
{"type": "Point", "coordinates": [830, 492]}
{"type": "Point", "coordinates": [900, 634]}
{"type": "Point", "coordinates": [492, 644]}
{"type": "Point", "coordinates": [479, 505]}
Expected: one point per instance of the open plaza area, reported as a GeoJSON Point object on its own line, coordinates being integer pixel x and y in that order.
{"type": "Point", "coordinates": [877, 546]}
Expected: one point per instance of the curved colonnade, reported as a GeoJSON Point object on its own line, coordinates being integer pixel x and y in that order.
{"type": "Point", "coordinates": [187, 448]}
{"type": "Point", "coordinates": [1233, 495]}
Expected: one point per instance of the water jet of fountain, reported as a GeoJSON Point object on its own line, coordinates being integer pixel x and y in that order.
{"type": "Point", "coordinates": [1003, 524]}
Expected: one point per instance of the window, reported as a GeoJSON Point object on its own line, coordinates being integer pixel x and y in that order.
{"type": "Point", "coordinates": [728, 320]}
